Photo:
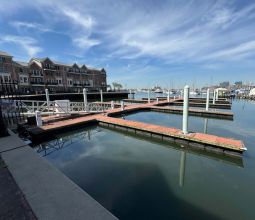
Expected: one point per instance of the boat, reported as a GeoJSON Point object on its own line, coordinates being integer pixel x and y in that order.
{"type": "Point", "coordinates": [158, 91]}
{"type": "Point", "coordinates": [193, 93]}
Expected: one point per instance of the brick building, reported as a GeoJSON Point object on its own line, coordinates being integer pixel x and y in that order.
{"type": "Point", "coordinates": [41, 73]}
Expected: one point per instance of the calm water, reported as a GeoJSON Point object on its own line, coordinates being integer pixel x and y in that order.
{"type": "Point", "coordinates": [137, 178]}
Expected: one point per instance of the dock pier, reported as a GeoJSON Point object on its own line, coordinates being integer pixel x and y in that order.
{"type": "Point", "coordinates": [196, 140]}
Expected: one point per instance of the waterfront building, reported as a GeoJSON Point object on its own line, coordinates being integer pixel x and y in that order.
{"type": "Point", "coordinates": [40, 73]}
{"type": "Point", "coordinates": [224, 84]}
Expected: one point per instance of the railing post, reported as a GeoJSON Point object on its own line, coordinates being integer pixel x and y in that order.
{"type": "Point", "coordinates": [38, 118]}
{"type": "Point", "coordinates": [207, 99]}
{"type": "Point", "coordinates": [217, 95]}
{"type": "Point", "coordinates": [122, 105]}
{"type": "Point", "coordinates": [149, 96]}
{"type": "Point", "coordinates": [47, 99]}
{"type": "Point", "coordinates": [168, 95]}
{"type": "Point", "coordinates": [85, 99]}
{"type": "Point", "coordinates": [101, 94]}
{"type": "Point", "coordinates": [112, 105]}
{"type": "Point", "coordinates": [185, 110]}
{"type": "Point", "coordinates": [214, 96]}
{"type": "Point", "coordinates": [157, 100]}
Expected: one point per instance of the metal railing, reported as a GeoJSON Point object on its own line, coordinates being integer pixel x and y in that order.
{"type": "Point", "coordinates": [29, 107]}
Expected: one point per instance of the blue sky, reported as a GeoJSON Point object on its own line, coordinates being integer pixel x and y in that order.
{"type": "Point", "coordinates": [140, 43]}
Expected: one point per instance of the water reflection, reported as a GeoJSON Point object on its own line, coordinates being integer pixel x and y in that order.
{"type": "Point", "coordinates": [140, 178]}
{"type": "Point", "coordinates": [47, 148]}
{"type": "Point", "coordinates": [182, 168]}
{"type": "Point", "coordinates": [205, 125]}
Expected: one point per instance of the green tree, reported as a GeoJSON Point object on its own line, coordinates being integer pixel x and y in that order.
{"type": "Point", "coordinates": [116, 85]}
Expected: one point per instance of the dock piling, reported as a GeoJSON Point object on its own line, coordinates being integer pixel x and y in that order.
{"type": "Point", "coordinates": [185, 110]}
{"type": "Point", "coordinates": [214, 96]}
{"type": "Point", "coordinates": [112, 105]}
{"type": "Point", "coordinates": [122, 105]}
{"type": "Point", "coordinates": [168, 95]}
{"type": "Point", "coordinates": [85, 99]}
{"type": "Point", "coordinates": [207, 99]}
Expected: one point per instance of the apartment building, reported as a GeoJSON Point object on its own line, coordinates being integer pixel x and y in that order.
{"type": "Point", "coordinates": [40, 73]}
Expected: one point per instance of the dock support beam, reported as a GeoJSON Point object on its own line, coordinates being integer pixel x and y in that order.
{"type": "Point", "coordinates": [112, 105]}
{"type": "Point", "coordinates": [168, 95]}
{"type": "Point", "coordinates": [149, 96]}
{"type": "Point", "coordinates": [207, 99]}
{"type": "Point", "coordinates": [185, 110]}
{"type": "Point", "coordinates": [214, 96]}
{"type": "Point", "coordinates": [85, 99]}
{"type": "Point", "coordinates": [47, 99]}
{"type": "Point", "coordinates": [101, 94]}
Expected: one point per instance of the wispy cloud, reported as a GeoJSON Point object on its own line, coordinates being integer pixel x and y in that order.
{"type": "Point", "coordinates": [243, 50]}
{"type": "Point", "coordinates": [29, 25]}
{"type": "Point", "coordinates": [28, 44]}
{"type": "Point", "coordinates": [167, 33]}
{"type": "Point", "coordinates": [77, 18]}
{"type": "Point", "coordinates": [84, 42]}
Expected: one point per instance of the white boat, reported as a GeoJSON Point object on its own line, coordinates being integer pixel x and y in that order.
{"type": "Point", "coordinates": [158, 91]}
{"type": "Point", "coordinates": [193, 93]}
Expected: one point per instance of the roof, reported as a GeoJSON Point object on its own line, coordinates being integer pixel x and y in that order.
{"type": "Point", "coordinates": [221, 89]}
{"type": "Point", "coordinates": [68, 65]}
{"type": "Point", "coordinates": [21, 63]}
{"type": "Point", "coordinates": [60, 63]}
{"type": "Point", "coordinates": [2, 53]}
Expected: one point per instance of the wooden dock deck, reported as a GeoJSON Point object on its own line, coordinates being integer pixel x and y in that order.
{"type": "Point", "coordinates": [193, 139]}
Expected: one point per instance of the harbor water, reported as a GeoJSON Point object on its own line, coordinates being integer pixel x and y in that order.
{"type": "Point", "coordinates": [140, 178]}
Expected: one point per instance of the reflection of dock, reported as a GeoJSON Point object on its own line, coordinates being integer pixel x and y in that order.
{"type": "Point", "coordinates": [203, 152]}
{"type": "Point", "coordinates": [182, 168]}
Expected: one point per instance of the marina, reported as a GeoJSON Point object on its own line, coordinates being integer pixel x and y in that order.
{"type": "Point", "coordinates": [127, 110]}
{"type": "Point", "coordinates": [121, 151]}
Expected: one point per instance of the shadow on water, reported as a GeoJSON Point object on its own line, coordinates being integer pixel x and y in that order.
{"type": "Point", "coordinates": [132, 190]}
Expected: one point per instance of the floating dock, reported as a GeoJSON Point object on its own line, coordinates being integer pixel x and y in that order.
{"type": "Point", "coordinates": [195, 140]}
{"type": "Point", "coordinates": [195, 112]}
{"type": "Point", "coordinates": [197, 104]}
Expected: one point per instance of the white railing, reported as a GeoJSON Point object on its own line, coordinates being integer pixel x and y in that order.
{"type": "Point", "coordinates": [29, 107]}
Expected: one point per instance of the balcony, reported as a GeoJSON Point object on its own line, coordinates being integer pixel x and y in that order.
{"type": "Point", "coordinates": [81, 84]}
{"type": "Point", "coordinates": [51, 83]}
{"type": "Point", "coordinates": [37, 83]}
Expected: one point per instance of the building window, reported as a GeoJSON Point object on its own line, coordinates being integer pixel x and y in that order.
{"type": "Point", "coordinates": [7, 79]}
{"type": "Point", "coordinates": [2, 59]}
